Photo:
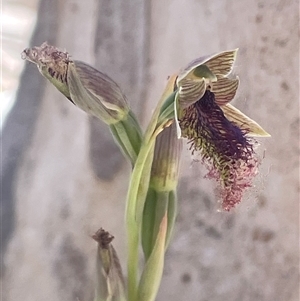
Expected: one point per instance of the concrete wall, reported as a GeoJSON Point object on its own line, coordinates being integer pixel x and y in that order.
{"type": "Point", "coordinates": [66, 179]}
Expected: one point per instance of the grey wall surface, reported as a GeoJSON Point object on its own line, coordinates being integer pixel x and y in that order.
{"type": "Point", "coordinates": [63, 177]}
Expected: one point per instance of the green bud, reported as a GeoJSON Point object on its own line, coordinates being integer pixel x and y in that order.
{"type": "Point", "coordinates": [165, 165]}
{"type": "Point", "coordinates": [110, 281]}
{"type": "Point", "coordinates": [161, 197]}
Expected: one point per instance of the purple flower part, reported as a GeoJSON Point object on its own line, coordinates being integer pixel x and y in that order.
{"type": "Point", "coordinates": [241, 173]}
{"type": "Point", "coordinates": [224, 148]}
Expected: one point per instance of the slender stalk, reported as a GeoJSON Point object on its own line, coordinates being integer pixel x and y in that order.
{"type": "Point", "coordinates": [132, 221]}
{"type": "Point", "coordinates": [133, 209]}
{"type": "Point", "coordinates": [128, 135]}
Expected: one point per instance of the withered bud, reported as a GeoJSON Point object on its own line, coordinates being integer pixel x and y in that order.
{"type": "Point", "coordinates": [88, 88]}
{"type": "Point", "coordinates": [110, 280]}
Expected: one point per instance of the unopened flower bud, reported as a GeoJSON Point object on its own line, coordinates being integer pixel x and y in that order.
{"type": "Point", "coordinates": [165, 165]}
{"type": "Point", "coordinates": [161, 198]}
{"type": "Point", "coordinates": [88, 88]}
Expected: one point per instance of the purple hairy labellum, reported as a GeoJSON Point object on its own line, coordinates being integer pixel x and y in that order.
{"type": "Point", "coordinates": [217, 130]}
{"type": "Point", "coordinates": [225, 148]}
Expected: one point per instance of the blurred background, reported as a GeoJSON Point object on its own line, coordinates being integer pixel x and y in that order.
{"type": "Point", "coordinates": [63, 178]}
{"type": "Point", "coordinates": [17, 23]}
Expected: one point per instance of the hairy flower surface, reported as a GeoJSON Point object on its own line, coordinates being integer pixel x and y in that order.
{"type": "Point", "coordinates": [218, 131]}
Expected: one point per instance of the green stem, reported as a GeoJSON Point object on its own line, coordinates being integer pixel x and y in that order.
{"type": "Point", "coordinates": [132, 221]}
{"type": "Point", "coordinates": [136, 198]}
{"type": "Point", "coordinates": [132, 264]}
{"type": "Point", "coordinates": [148, 221]}
{"type": "Point", "coordinates": [128, 136]}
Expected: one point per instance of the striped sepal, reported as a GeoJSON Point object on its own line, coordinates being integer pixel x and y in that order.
{"type": "Point", "coordinates": [191, 91]}
{"type": "Point", "coordinates": [252, 128]}
{"type": "Point", "coordinates": [224, 90]}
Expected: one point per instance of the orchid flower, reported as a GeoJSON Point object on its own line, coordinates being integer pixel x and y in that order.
{"type": "Point", "coordinates": [222, 134]}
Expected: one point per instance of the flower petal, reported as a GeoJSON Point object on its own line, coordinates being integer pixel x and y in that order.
{"type": "Point", "coordinates": [219, 65]}
{"type": "Point", "coordinates": [222, 64]}
{"type": "Point", "coordinates": [191, 91]}
{"type": "Point", "coordinates": [197, 72]}
{"type": "Point", "coordinates": [252, 128]}
{"type": "Point", "coordinates": [224, 90]}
